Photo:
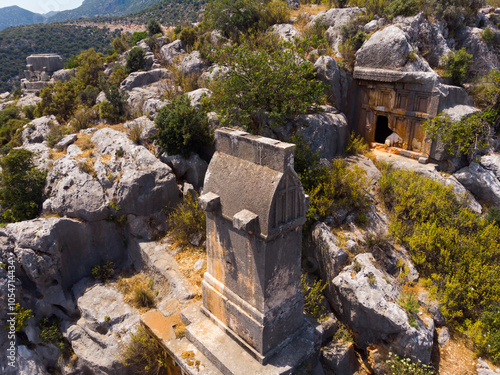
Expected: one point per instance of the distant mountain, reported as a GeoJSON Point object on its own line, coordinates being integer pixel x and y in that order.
{"type": "Point", "coordinates": [15, 16]}
{"type": "Point", "coordinates": [50, 14]}
{"type": "Point", "coordinates": [93, 8]}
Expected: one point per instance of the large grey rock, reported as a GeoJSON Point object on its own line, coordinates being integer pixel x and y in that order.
{"type": "Point", "coordinates": [390, 49]}
{"type": "Point", "coordinates": [483, 368]}
{"type": "Point", "coordinates": [143, 123]}
{"type": "Point", "coordinates": [191, 170]}
{"type": "Point", "coordinates": [328, 71]}
{"type": "Point", "coordinates": [340, 357]}
{"type": "Point", "coordinates": [38, 129]}
{"type": "Point", "coordinates": [171, 50]}
{"type": "Point", "coordinates": [458, 111]}
{"type": "Point", "coordinates": [325, 132]}
{"type": "Point", "coordinates": [330, 258]}
{"type": "Point", "coordinates": [29, 99]}
{"type": "Point", "coordinates": [285, 31]}
{"type": "Point", "coordinates": [139, 79]}
{"type": "Point", "coordinates": [151, 107]}
{"type": "Point", "coordinates": [47, 62]}
{"type": "Point", "coordinates": [136, 182]}
{"type": "Point", "coordinates": [64, 75]}
{"type": "Point", "coordinates": [485, 59]}
{"type": "Point", "coordinates": [193, 64]}
{"type": "Point", "coordinates": [66, 141]}
{"type": "Point", "coordinates": [491, 162]}
{"type": "Point", "coordinates": [334, 19]}
{"type": "Point", "coordinates": [196, 96]}
{"type": "Point", "coordinates": [105, 326]}
{"type": "Point", "coordinates": [371, 312]}
{"type": "Point", "coordinates": [28, 362]}
{"type": "Point", "coordinates": [41, 154]}
{"type": "Point", "coordinates": [481, 182]}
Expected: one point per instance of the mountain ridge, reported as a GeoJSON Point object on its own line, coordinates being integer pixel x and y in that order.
{"type": "Point", "coordinates": [17, 16]}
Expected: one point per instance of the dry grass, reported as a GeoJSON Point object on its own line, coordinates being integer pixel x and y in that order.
{"type": "Point", "coordinates": [55, 155]}
{"type": "Point", "coordinates": [137, 291]}
{"type": "Point", "coordinates": [456, 357]}
{"type": "Point", "coordinates": [105, 158]}
{"type": "Point", "coordinates": [312, 9]}
{"type": "Point", "coordinates": [186, 258]}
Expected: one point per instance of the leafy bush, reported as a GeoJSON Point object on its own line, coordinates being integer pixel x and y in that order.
{"type": "Point", "coordinates": [469, 135]}
{"type": "Point", "coordinates": [186, 220]}
{"type": "Point", "coordinates": [144, 354]}
{"type": "Point", "coordinates": [493, 215]}
{"type": "Point", "coordinates": [488, 36]}
{"type": "Point", "coordinates": [487, 96]}
{"type": "Point", "coordinates": [356, 145]}
{"type": "Point", "coordinates": [11, 126]}
{"type": "Point", "coordinates": [103, 272]}
{"type": "Point", "coordinates": [135, 60]}
{"type": "Point", "coordinates": [50, 333]}
{"type": "Point", "coordinates": [21, 186]}
{"type": "Point", "coordinates": [114, 109]}
{"type": "Point", "coordinates": [403, 8]}
{"type": "Point", "coordinates": [343, 334]}
{"type": "Point", "coordinates": [154, 27]}
{"type": "Point", "coordinates": [353, 37]}
{"type": "Point", "coordinates": [404, 366]}
{"type": "Point", "coordinates": [409, 302]}
{"type": "Point", "coordinates": [454, 248]}
{"type": "Point", "coordinates": [307, 164]}
{"type": "Point", "coordinates": [58, 99]}
{"type": "Point", "coordinates": [84, 118]}
{"type": "Point", "coordinates": [182, 128]}
{"type": "Point", "coordinates": [486, 334]}
{"type": "Point", "coordinates": [264, 88]}
{"type": "Point", "coordinates": [90, 64]}
{"type": "Point", "coordinates": [138, 36]}
{"type": "Point", "coordinates": [22, 315]}
{"type": "Point", "coordinates": [456, 66]}
{"type": "Point", "coordinates": [313, 298]}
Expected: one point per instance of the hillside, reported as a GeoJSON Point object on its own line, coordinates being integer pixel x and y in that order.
{"type": "Point", "coordinates": [15, 16]}
{"type": "Point", "coordinates": [16, 43]}
{"type": "Point", "coordinates": [92, 8]}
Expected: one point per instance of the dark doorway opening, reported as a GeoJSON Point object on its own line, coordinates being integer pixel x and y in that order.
{"type": "Point", "coordinates": [382, 130]}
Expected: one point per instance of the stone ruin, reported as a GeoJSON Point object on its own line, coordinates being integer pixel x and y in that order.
{"type": "Point", "coordinates": [39, 70]}
{"type": "Point", "coordinates": [251, 318]}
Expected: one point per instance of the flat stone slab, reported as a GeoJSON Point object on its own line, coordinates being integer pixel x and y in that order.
{"type": "Point", "coordinates": [232, 359]}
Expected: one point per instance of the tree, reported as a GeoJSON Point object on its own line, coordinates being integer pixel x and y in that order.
{"type": "Point", "coordinates": [264, 88]}
{"type": "Point", "coordinates": [114, 108]}
{"type": "Point", "coordinates": [456, 65]}
{"type": "Point", "coordinates": [154, 27]}
{"type": "Point", "coordinates": [89, 63]}
{"type": "Point", "coordinates": [135, 60]}
{"type": "Point", "coordinates": [59, 99]}
{"type": "Point", "coordinates": [182, 128]}
{"type": "Point", "coordinates": [21, 186]}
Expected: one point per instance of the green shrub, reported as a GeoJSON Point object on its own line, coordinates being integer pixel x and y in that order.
{"type": "Point", "coordinates": [186, 220]}
{"type": "Point", "coordinates": [103, 272]}
{"type": "Point", "coordinates": [313, 298]}
{"type": "Point", "coordinates": [356, 145]}
{"type": "Point", "coordinates": [115, 108]}
{"type": "Point", "coordinates": [343, 334]}
{"type": "Point", "coordinates": [469, 135]}
{"type": "Point", "coordinates": [307, 164]}
{"type": "Point", "coordinates": [22, 315]}
{"type": "Point", "coordinates": [84, 118]}
{"type": "Point", "coordinates": [50, 333]}
{"type": "Point", "coordinates": [264, 88]}
{"type": "Point", "coordinates": [138, 36]}
{"type": "Point", "coordinates": [493, 215]}
{"type": "Point", "coordinates": [21, 186]}
{"type": "Point", "coordinates": [182, 129]}
{"type": "Point", "coordinates": [188, 35]}
{"type": "Point", "coordinates": [135, 60]}
{"type": "Point", "coordinates": [144, 355]}
{"type": "Point", "coordinates": [29, 111]}
{"type": "Point", "coordinates": [352, 39]}
{"type": "Point", "coordinates": [403, 8]}
{"type": "Point", "coordinates": [154, 27]}
{"type": "Point", "coordinates": [456, 66]}
{"type": "Point", "coordinates": [409, 302]}
{"type": "Point", "coordinates": [488, 36]}
{"type": "Point", "coordinates": [404, 366]}
{"type": "Point", "coordinates": [59, 99]}
{"type": "Point", "coordinates": [486, 334]}
{"type": "Point", "coordinates": [11, 126]}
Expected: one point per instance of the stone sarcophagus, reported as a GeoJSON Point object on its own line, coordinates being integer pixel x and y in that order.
{"type": "Point", "coordinates": [255, 209]}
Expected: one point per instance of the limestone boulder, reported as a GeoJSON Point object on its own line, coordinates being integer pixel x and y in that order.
{"type": "Point", "coordinates": [193, 64]}
{"type": "Point", "coordinates": [105, 325]}
{"type": "Point", "coordinates": [285, 31]}
{"type": "Point", "coordinates": [171, 50]}
{"type": "Point", "coordinates": [66, 141]}
{"type": "Point", "coordinates": [64, 75]}
{"type": "Point", "coordinates": [339, 357]}
{"type": "Point", "coordinates": [38, 130]}
{"type": "Point", "coordinates": [366, 301]}
{"type": "Point", "coordinates": [328, 71]}
{"type": "Point", "coordinates": [214, 72]}
{"type": "Point", "coordinates": [325, 132]}
{"type": "Point", "coordinates": [139, 79]}
{"type": "Point", "coordinates": [334, 19]}
{"type": "Point", "coordinates": [41, 154]}
{"type": "Point", "coordinates": [144, 46]}
{"type": "Point", "coordinates": [28, 99]}
{"type": "Point", "coordinates": [491, 162]}
{"type": "Point", "coordinates": [196, 96]}
{"type": "Point", "coordinates": [144, 124]}
{"type": "Point", "coordinates": [485, 59]}
{"type": "Point", "coordinates": [138, 96]}
{"type": "Point", "coordinates": [120, 175]}
{"type": "Point", "coordinates": [481, 182]}
{"type": "Point", "coordinates": [28, 363]}
{"type": "Point", "coordinates": [483, 368]}
{"type": "Point", "coordinates": [458, 111]}
{"type": "Point", "coordinates": [151, 107]}
{"type": "Point", "coordinates": [191, 170]}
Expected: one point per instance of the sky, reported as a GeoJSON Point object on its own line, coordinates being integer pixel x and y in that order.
{"type": "Point", "coordinates": [42, 6]}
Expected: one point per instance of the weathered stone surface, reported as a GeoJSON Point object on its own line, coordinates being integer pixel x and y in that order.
{"type": "Point", "coordinates": [334, 19]}
{"type": "Point", "coordinates": [481, 182]}
{"type": "Point", "coordinates": [491, 162]}
{"type": "Point", "coordinates": [38, 129]}
{"type": "Point", "coordinates": [169, 51]}
{"type": "Point", "coordinates": [193, 64]}
{"type": "Point", "coordinates": [143, 123]}
{"type": "Point", "coordinates": [370, 310]}
{"type": "Point", "coordinates": [214, 72]}
{"type": "Point", "coordinates": [458, 111]}
{"type": "Point", "coordinates": [66, 141]}
{"type": "Point", "coordinates": [138, 96]}
{"type": "Point", "coordinates": [328, 72]}
{"type": "Point", "coordinates": [151, 107]}
{"type": "Point", "coordinates": [325, 132]}
{"type": "Point", "coordinates": [136, 182]}
{"type": "Point", "coordinates": [340, 357]}
{"type": "Point", "coordinates": [105, 325]}
{"type": "Point", "coordinates": [196, 96]}
{"type": "Point", "coordinates": [41, 154]}
{"type": "Point", "coordinates": [192, 169]}
{"type": "Point", "coordinates": [484, 369]}
{"type": "Point", "coordinates": [28, 363]}
{"type": "Point", "coordinates": [443, 336]}
{"type": "Point", "coordinates": [144, 46]}
{"type": "Point", "coordinates": [48, 62]}
{"type": "Point", "coordinates": [485, 59]}
{"type": "Point", "coordinates": [285, 31]}
{"type": "Point", "coordinates": [64, 75]}
{"type": "Point", "coordinates": [139, 79]}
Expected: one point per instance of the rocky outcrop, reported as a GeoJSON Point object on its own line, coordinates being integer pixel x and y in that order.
{"type": "Point", "coordinates": [29, 99]}
{"type": "Point", "coordinates": [328, 71]}
{"type": "Point", "coordinates": [366, 301]}
{"type": "Point", "coordinates": [64, 75]}
{"type": "Point", "coordinates": [171, 50]}
{"type": "Point", "coordinates": [491, 162]}
{"type": "Point", "coordinates": [191, 170]}
{"type": "Point", "coordinates": [285, 31]}
{"type": "Point", "coordinates": [334, 19]}
{"type": "Point", "coordinates": [139, 79]}
{"type": "Point", "coordinates": [481, 182]}
{"type": "Point", "coordinates": [325, 132]}
{"type": "Point", "coordinates": [151, 107]}
{"type": "Point", "coordinates": [38, 130]}
{"type": "Point", "coordinates": [196, 96]}
{"type": "Point", "coordinates": [193, 64]}
{"type": "Point", "coordinates": [485, 59]}
{"type": "Point", "coordinates": [121, 178]}
{"type": "Point", "coordinates": [339, 357]}
{"type": "Point", "coordinates": [146, 126]}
